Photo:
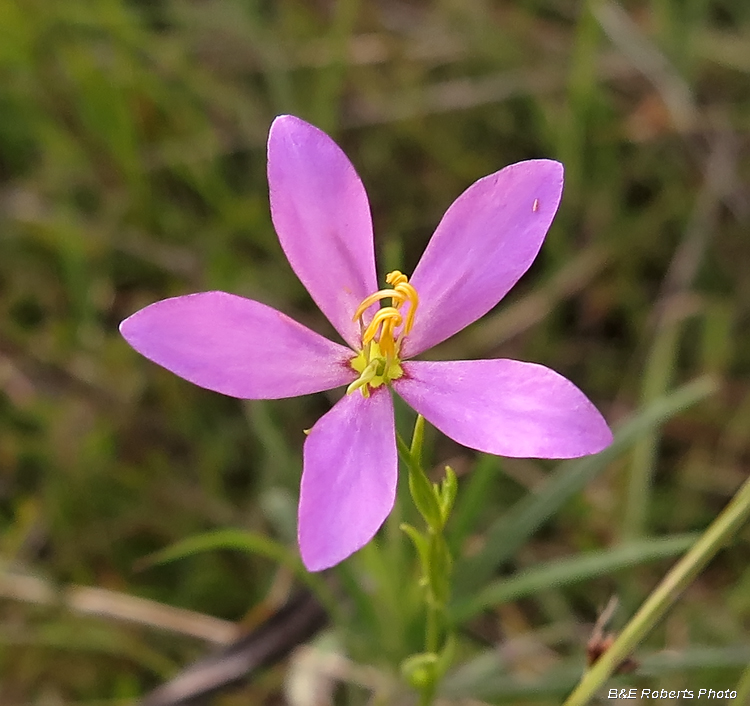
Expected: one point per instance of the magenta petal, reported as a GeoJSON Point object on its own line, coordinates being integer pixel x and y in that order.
{"type": "Point", "coordinates": [349, 478]}
{"type": "Point", "coordinates": [237, 346]}
{"type": "Point", "coordinates": [487, 239]}
{"type": "Point", "coordinates": [505, 407]}
{"type": "Point", "coordinates": [321, 214]}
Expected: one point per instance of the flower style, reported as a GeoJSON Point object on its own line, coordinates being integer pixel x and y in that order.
{"type": "Point", "coordinates": [485, 242]}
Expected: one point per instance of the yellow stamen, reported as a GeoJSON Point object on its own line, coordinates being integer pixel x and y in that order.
{"type": "Point", "coordinates": [388, 316]}
{"type": "Point", "coordinates": [378, 361]}
{"type": "Point", "coordinates": [402, 292]}
{"type": "Point", "coordinates": [396, 297]}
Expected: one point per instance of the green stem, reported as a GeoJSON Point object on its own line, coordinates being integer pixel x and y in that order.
{"type": "Point", "coordinates": [434, 503]}
{"type": "Point", "coordinates": [432, 629]}
{"type": "Point", "coordinates": [666, 593]}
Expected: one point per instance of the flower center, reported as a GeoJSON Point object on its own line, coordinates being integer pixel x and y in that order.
{"type": "Point", "coordinates": [378, 361]}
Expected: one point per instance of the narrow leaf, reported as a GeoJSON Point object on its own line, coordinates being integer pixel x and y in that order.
{"type": "Point", "coordinates": [568, 571]}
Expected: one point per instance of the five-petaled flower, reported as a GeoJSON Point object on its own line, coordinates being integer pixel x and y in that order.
{"type": "Point", "coordinates": [485, 242]}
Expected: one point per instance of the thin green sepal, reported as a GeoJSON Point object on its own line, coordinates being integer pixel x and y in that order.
{"type": "Point", "coordinates": [420, 544]}
{"type": "Point", "coordinates": [447, 493]}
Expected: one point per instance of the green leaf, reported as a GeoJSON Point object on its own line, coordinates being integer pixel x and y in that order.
{"type": "Point", "coordinates": [420, 544]}
{"type": "Point", "coordinates": [445, 658]}
{"type": "Point", "coordinates": [568, 571]}
{"type": "Point", "coordinates": [241, 540]}
{"type": "Point", "coordinates": [448, 490]}
{"type": "Point", "coordinates": [425, 497]}
{"type": "Point", "coordinates": [417, 441]}
{"type": "Point", "coordinates": [250, 543]}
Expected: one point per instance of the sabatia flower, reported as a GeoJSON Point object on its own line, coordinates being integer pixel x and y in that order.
{"type": "Point", "coordinates": [487, 239]}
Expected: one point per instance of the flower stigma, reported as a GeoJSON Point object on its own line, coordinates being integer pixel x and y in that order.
{"type": "Point", "coordinates": [378, 361]}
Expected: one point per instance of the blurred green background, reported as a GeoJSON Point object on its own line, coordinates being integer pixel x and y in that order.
{"type": "Point", "coordinates": [132, 168]}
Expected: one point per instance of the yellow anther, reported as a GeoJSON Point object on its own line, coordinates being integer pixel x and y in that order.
{"type": "Point", "coordinates": [405, 292]}
{"type": "Point", "coordinates": [388, 316]}
{"type": "Point", "coordinates": [396, 277]}
{"type": "Point", "coordinates": [386, 319]}
{"type": "Point", "coordinates": [409, 294]}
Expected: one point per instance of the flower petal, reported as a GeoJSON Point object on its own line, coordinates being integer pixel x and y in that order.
{"type": "Point", "coordinates": [505, 407]}
{"type": "Point", "coordinates": [237, 346]}
{"type": "Point", "coordinates": [486, 240]}
{"type": "Point", "coordinates": [349, 479]}
{"type": "Point", "coordinates": [321, 214]}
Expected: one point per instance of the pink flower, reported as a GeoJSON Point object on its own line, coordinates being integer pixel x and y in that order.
{"type": "Point", "coordinates": [485, 242]}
